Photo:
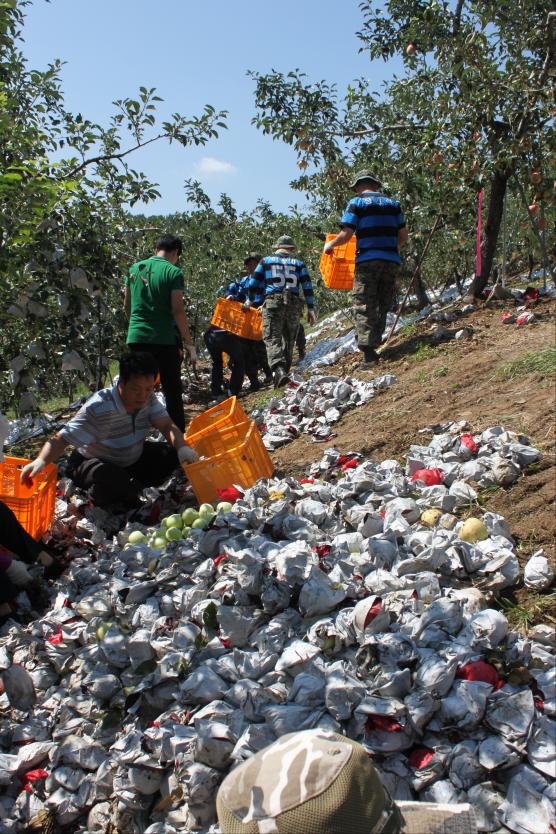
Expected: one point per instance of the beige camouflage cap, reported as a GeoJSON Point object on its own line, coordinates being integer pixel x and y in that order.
{"type": "Point", "coordinates": [311, 782]}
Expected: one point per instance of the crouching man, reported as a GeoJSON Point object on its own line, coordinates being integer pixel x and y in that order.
{"type": "Point", "coordinates": [112, 459]}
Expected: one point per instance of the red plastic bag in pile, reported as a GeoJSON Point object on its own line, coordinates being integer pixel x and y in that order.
{"type": "Point", "coordinates": [429, 477]}
{"type": "Point", "coordinates": [467, 440]}
{"type": "Point", "coordinates": [480, 670]}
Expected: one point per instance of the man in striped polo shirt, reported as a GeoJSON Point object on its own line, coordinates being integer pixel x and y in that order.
{"type": "Point", "coordinates": [111, 459]}
{"type": "Point", "coordinates": [276, 283]}
{"type": "Point", "coordinates": [379, 225]}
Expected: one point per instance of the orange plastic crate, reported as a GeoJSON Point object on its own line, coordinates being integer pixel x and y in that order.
{"type": "Point", "coordinates": [231, 316]}
{"type": "Point", "coordinates": [244, 463]}
{"type": "Point", "coordinates": [338, 269]}
{"type": "Point", "coordinates": [220, 440]}
{"type": "Point", "coordinates": [33, 506]}
{"type": "Point", "coordinates": [221, 416]}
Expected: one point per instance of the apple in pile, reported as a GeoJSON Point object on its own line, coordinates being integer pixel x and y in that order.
{"type": "Point", "coordinates": [178, 526]}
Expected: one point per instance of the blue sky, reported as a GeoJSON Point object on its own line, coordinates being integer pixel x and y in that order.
{"type": "Point", "coordinates": [196, 53]}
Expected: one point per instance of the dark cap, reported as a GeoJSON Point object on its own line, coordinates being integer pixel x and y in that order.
{"type": "Point", "coordinates": [285, 242]}
{"type": "Point", "coordinates": [361, 176]}
{"type": "Point", "coordinates": [252, 256]}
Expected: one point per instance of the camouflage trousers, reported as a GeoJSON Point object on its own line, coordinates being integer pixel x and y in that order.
{"type": "Point", "coordinates": [281, 316]}
{"type": "Point", "coordinates": [374, 290]}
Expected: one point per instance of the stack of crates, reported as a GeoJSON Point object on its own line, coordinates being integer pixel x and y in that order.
{"type": "Point", "coordinates": [230, 316]}
{"type": "Point", "coordinates": [33, 505]}
{"type": "Point", "coordinates": [232, 449]}
{"type": "Point", "coordinates": [338, 269]}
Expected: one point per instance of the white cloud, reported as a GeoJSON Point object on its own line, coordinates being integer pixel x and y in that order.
{"type": "Point", "coordinates": [209, 166]}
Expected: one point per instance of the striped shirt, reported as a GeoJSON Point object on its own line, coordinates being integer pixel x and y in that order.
{"type": "Point", "coordinates": [376, 220]}
{"type": "Point", "coordinates": [238, 289]}
{"type": "Point", "coordinates": [278, 273]}
{"type": "Point", "coordinates": [102, 428]}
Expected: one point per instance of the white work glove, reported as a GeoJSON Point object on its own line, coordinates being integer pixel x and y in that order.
{"type": "Point", "coordinates": [311, 317]}
{"type": "Point", "coordinates": [192, 354]}
{"type": "Point", "coordinates": [18, 574]}
{"type": "Point", "coordinates": [45, 559]}
{"type": "Point", "coordinates": [30, 470]}
{"type": "Point", "coordinates": [246, 305]}
{"type": "Point", "coordinates": [187, 455]}
{"type": "Point", "coordinates": [328, 248]}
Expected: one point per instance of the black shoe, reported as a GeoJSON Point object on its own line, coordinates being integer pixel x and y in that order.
{"type": "Point", "coordinates": [255, 386]}
{"type": "Point", "coordinates": [302, 355]}
{"type": "Point", "coordinates": [280, 377]}
{"type": "Point", "coordinates": [370, 357]}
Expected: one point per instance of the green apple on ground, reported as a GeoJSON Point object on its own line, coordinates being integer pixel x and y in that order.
{"type": "Point", "coordinates": [201, 522]}
{"type": "Point", "coordinates": [430, 517]}
{"type": "Point", "coordinates": [223, 507]}
{"type": "Point", "coordinates": [102, 630]}
{"type": "Point", "coordinates": [189, 516]}
{"type": "Point", "coordinates": [159, 541]}
{"type": "Point", "coordinates": [173, 534]}
{"type": "Point", "coordinates": [174, 521]}
{"type": "Point", "coordinates": [473, 530]}
{"type": "Point", "coordinates": [206, 509]}
{"type": "Point", "coordinates": [185, 532]}
{"type": "Point", "coordinates": [136, 537]}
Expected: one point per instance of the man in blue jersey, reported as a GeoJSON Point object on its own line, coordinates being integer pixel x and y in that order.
{"type": "Point", "coordinates": [379, 225]}
{"type": "Point", "coordinates": [275, 283]}
{"type": "Point", "coordinates": [111, 458]}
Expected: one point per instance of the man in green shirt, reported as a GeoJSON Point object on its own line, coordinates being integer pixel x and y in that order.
{"type": "Point", "coordinates": [153, 301]}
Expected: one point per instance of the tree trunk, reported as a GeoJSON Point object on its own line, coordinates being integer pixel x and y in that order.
{"type": "Point", "coordinates": [492, 230]}
{"type": "Point", "coordinates": [421, 292]}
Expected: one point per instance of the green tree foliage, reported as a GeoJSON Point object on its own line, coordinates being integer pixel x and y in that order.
{"type": "Point", "coordinates": [65, 183]}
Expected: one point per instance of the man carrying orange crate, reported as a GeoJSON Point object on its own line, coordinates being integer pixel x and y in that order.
{"type": "Point", "coordinates": [275, 283]}
{"type": "Point", "coordinates": [379, 225]}
{"type": "Point", "coordinates": [112, 460]}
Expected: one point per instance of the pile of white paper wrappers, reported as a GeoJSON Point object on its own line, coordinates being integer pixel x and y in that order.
{"type": "Point", "coordinates": [326, 603]}
{"type": "Point", "coordinates": [313, 406]}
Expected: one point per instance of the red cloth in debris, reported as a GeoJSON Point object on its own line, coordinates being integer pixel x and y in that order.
{"type": "Point", "coordinates": [480, 670]}
{"type": "Point", "coordinates": [382, 722]}
{"type": "Point", "coordinates": [420, 757]}
{"type": "Point", "coordinates": [429, 477]}
{"type": "Point", "coordinates": [230, 494]}
{"type": "Point", "coordinates": [373, 611]}
{"type": "Point", "coordinates": [467, 440]}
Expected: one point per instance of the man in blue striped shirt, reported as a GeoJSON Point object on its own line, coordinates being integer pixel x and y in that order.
{"type": "Point", "coordinates": [112, 459]}
{"type": "Point", "coordinates": [379, 225]}
{"type": "Point", "coordinates": [275, 283]}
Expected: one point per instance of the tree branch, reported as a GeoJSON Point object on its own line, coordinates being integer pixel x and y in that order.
{"type": "Point", "coordinates": [457, 17]}
{"type": "Point", "coordinates": [378, 128]}
{"type": "Point", "coordinates": [108, 156]}
{"type": "Point", "coordinates": [546, 69]}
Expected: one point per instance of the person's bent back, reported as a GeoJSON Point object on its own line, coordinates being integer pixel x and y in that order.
{"type": "Point", "coordinates": [111, 459]}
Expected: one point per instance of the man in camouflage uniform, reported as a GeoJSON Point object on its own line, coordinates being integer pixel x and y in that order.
{"type": "Point", "coordinates": [319, 782]}
{"type": "Point", "coordinates": [379, 225]}
{"type": "Point", "coordinates": [275, 283]}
